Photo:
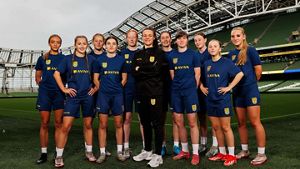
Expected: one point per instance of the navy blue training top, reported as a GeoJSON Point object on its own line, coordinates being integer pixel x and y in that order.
{"type": "Point", "coordinates": [78, 71]}
{"type": "Point", "coordinates": [128, 56]}
{"type": "Point", "coordinates": [48, 67]}
{"type": "Point", "coordinates": [183, 64]}
{"type": "Point", "coordinates": [219, 74]}
{"type": "Point", "coordinates": [248, 68]}
{"type": "Point", "coordinates": [110, 70]}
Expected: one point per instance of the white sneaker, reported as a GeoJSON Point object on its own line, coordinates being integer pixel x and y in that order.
{"type": "Point", "coordinates": [144, 155]}
{"type": "Point", "coordinates": [155, 161]}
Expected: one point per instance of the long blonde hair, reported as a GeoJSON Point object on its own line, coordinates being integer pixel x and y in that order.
{"type": "Point", "coordinates": [242, 57]}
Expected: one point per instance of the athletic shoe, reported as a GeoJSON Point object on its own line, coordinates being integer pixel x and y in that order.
{"type": "Point", "coordinates": [176, 150]}
{"type": "Point", "coordinates": [229, 160]}
{"type": "Point", "coordinates": [195, 159]}
{"type": "Point", "coordinates": [155, 161]}
{"type": "Point", "coordinates": [107, 153]}
{"type": "Point", "coordinates": [218, 157]}
{"type": "Point", "coordinates": [127, 153]}
{"type": "Point", "coordinates": [101, 158]}
{"type": "Point", "coordinates": [243, 154]}
{"type": "Point", "coordinates": [90, 156]}
{"type": "Point", "coordinates": [120, 156]}
{"type": "Point", "coordinates": [212, 151]}
{"type": "Point", "coordinates": [42, 159]}
{"type": "Point", "coordinates": [202, 148]}
{"type": "Point", "coordinates": [182, 155]}
{"type": "Point", "coordinates": [144, 155]}
{"type": "Point", "coordinates": [59, 162]}
{"type": "Point", "coordinates": [259, 159]}
{"type": "Point", "coordinates": [163, 150]}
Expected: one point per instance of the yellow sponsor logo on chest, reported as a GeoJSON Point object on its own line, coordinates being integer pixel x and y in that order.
{"type": "Point", "coordinates": [75, 63]}
{"type": "Point", "coordinates": [151, 59]}
{"type": "Point", "coordinates": [48, 62]}
{"type": "Point", "coordinates": [153, 102]}
{"type": "Point", "coordinates": [175, 60]}
{"type": "Point", "coordinates": [208, 68]}
{"type": "Point", "coordinates": [104, 64]}
{"type": "Point", "coordinates": [126, 56]}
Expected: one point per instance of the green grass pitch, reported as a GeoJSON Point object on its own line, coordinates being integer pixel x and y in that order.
{"type": "Point", "coordinates": [19, 138]}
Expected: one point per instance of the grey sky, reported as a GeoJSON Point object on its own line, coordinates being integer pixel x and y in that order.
{"type": "Point", "coordinates": [27, 24]}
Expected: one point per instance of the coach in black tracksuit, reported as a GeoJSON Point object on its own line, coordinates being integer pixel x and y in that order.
{"type": "Point", "coordinates": [150, 68]}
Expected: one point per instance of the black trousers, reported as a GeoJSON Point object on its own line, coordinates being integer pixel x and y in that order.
{"type": "Point", "coordinates": [152, 118]}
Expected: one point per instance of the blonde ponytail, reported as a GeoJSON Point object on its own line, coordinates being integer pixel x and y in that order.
{"type": "Point", "coordinates": [242, 57]}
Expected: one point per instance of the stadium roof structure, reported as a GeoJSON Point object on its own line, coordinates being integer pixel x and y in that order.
{"type": "Point", "coordinates": [172, 15]}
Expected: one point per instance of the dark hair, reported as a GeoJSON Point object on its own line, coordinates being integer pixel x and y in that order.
{"type": "Point", "coordinates": [111, 37]}
{"type": "Point", "coordinates": [155, 42]}
{"type": "Point", "coordinates": [200, 34]}
{"type": "Point", "coordinates": [46, 55]}
{"type": "Point", "coordinates": [181, 34]}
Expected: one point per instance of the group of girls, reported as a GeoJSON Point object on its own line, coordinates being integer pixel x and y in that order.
{"type": "Point", "coordinates": [196, 82]}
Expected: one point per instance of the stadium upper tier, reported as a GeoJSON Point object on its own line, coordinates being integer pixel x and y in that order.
{"type": "Point", "coordinates": [210, 16]}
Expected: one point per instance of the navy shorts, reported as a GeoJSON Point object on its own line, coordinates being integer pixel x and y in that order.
{"type": "Point", "coordinates": [50, 100]}
{"type": "Point", "coordinates": [245, 96]}
{"type": "Point", "coordinates": [110, 104]}
{"type": "Point", "coordinates": [219, 110]}
{"type": "Point", "coordinates": [185, 100]}
{"type": "Point", "coordinates": [74, 104]}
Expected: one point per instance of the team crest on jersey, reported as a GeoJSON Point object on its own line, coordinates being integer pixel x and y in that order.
{"type": "Point", "coordinates": [233, 57]}
{"type": "Point", "coordinates": [175, 60]}
{"type": "Point", "coordinates": [104, 64]}
{"type": "Point", "coordinates": [75, 63]}
{"type": "Point", "coordinates": [48, 62]}
{"type": "Point", "coordinates": [226, 111]}
{"type": "Point", "coordinates": [254, 100]}
{"type": "Point", "coordinates": [208, 68]}
{"type": "Point", "coordinates": [153, 102]}
{"type": "Point", "coordinates": [151, 59]}
{"type": "Point", "coordinates": [194, 107]}
{"type": "Point", "coordinates": [126, 56]}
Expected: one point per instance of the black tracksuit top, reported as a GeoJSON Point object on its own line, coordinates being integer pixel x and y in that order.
{"type": "Point", "coordinates": [150, 70]}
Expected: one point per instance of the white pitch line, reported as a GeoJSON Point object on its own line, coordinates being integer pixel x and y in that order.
{"type": "Point", "coordinates": [167, 124]}
{"type": "Point", "coordinates": [286, 87]}
{"type": "Point", "coordinates": [267, 85]}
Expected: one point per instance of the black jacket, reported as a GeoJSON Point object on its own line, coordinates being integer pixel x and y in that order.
{"type": "Point", "coordinates": [150, 70]}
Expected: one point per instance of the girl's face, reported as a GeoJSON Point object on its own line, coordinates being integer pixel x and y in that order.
{"type": "Point", "coordinates": [148, 37]}
{"type": "Point", "coordinates": [81, 45]}
{"type": "Point", "coordinates": [199, 41]}
{"type": "Point", "coordinates": [214, 48]}
{"type": "Point", "coordinates": [165, 39]}
{"type": "Point", "coordinates": [55, 43]}
{"type": "Point", "coordinates": [182, 42]}
{"type": "Point", "coordinates": [111, 46]}
{"type": "Point", "coordinates": [131, 39]}
{"type": "Point", "coordinates": [237, 37]}
{"type": "Point", "coordinates": [98, 42]}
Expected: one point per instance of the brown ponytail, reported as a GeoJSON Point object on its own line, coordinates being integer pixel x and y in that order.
{"type": "Point", "coordinates": [46, 55]}
{"type": "Point", "coordinates": [242, 57]}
